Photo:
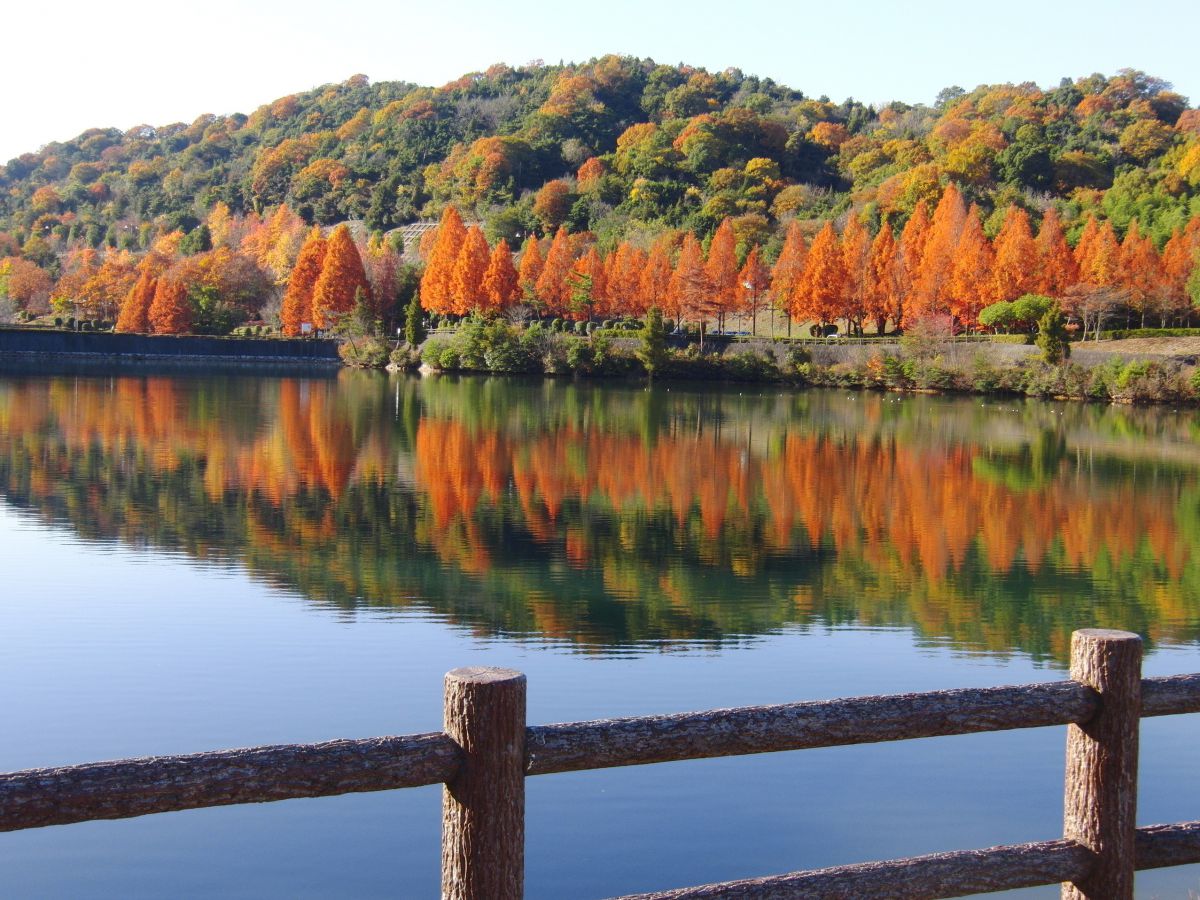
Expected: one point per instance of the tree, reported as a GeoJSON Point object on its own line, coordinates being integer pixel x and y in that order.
{"type": "Point", "coordinates": [531, 267]}
{"type": "Point", "coordinates": [297, 298]}
{"type": "Point", "coordinates": [135, 311]}
{"type": "Point", "coordinates": [913, 239]}
{"type": "Point", "coordinates": [466, 283]}
{"type": "Point", "coordinates": [436, 294]}
{"type": "Point", "coordinates": [721, 271]}
{"type": "Point", "coordinates": [972, 280]}
{"type": "Point", "coordinates": [655, 282]}
{"type": "Point", "coordinates": [1140, 271]}
{"type": "Point", "coordinates": [689, 290]}
{"type": "Point", "coordinates": [932, 293]}
{"type": "Point", "coordinates": [170, 311]}
{"type": "Point", "coordinates": [587, 287]}
{"type": "Point", "coordinates": [624, 274]}
{"type": "Point", "coordinates": [500, 279]}
{"type": "Point", "coordinates": [341, 276]}
{"type": "Point", "coordinates": [552, 204]}
{"type": "Point", "coordinates": [414, 322]}
{"type": "Point", "coordinates": [1052, 337]}
{"type": "Point", "coordinates": [1016, 268]}
{"type": "Point", "coordinates": [1057, 269]}
{"type": "Point", "coordinates": [654, 353]}
{"type": "Point", "coordinates": [820, 293]}
{"type": "Point", "coordinates": [883, 298]}
{"type": "Point", "coordinates": [856, 258]}
{"type": "Point", "coordinates": [753, 281]}
{"type": "Point", "coordinates": [552, 288]}
{"type": "Point", "coordinates": [788, 268]}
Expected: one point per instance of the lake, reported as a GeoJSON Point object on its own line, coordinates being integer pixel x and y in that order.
{"type": "Point", "coordinates": [194, 562]}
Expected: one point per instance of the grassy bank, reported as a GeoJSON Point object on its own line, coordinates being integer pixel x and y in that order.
{"type": "Point", "coordinates": [908, 365]}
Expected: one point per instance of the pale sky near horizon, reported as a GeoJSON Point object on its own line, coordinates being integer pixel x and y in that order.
{"type": "Point", "coordinates": [76, 65]}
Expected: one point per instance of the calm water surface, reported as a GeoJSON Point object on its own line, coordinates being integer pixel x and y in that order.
{"type": "Point", "coordinates": [202, 562]}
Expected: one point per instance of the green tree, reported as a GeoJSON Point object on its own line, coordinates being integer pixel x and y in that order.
{"type": "Point", "coordinates": [1052, 338]}
{"type": "Point", "coordinates": [653, 353]}
{"type": "Point", "coordinates": [414, 325]}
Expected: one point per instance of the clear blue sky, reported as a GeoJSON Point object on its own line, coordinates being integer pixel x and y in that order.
{"type": "Point", "coordinates": [73, 65]}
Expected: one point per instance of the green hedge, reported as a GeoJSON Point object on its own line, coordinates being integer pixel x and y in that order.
{"type": "Point", "coordinates": [1122, 333]}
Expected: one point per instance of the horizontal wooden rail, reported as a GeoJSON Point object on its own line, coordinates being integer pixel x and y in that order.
{"type": "Point", "coordinates": [136, 787]}
{"type": "Point", "coordinates": [954, 874]}
{"type": "Point", "coordinates": [799, 726]}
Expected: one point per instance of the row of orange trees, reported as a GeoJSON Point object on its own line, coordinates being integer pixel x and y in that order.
{"type": "Point", "coordinates": [938, 264]}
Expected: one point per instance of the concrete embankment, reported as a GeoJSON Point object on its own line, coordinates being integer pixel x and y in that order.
{"type": "Point", "coordinates": [25, 345]}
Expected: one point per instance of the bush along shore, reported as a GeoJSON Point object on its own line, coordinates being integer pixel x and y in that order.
{"type": "Point", "coordinates": [920, 361]}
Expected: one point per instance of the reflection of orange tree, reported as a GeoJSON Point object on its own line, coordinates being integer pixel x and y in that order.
{"type": "Point", "coordinates": [674, 521]}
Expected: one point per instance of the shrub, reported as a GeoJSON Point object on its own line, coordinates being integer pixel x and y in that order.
{"type": "Point", "coordinates": [364, 353]}
{"type": "Point", "coordinates": [406, 356]}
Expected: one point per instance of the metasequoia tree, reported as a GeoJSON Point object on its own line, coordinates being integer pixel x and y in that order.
{"type": "Point", "coordinates": [342, 276]}
{"type": "Point", "coordinates": [754, 280]}
{"type": "Point", "coordinates": [972, 279]}
{"type": "Point", "coordinates": [856, 258]}
{"type": "Point", "coordinates": [500, 280]}
{"type": "Point", "coordinates": [1057, 269]}
{"type": "Point", "coordinates": [170, 311]}
{"type": "Point", "coordinates": [655, 282]}
{"type": "Point", "coordinates": [912, 248]}
{"type": "Point", "coordinates": [689, 290]}
{"type": "Point", "coordinates": [529, 270]}
{"type": "Point", "coordinates": [1015, 272]}
{"type": "Point", "coordinates": [135, 311]}
{"type": "Point", "coordinates": [721, 270]}
{"type": "Point", "coordinates": [439, 270]}
{"type": "Point", "coordinates": [883, 298]}
{"type": "Point", "coordinates": [788, 268]}
{"type": "Point", "coordinates": [552, 287]}
{"type": "Point", "coordinates": [297, 299]}
{"type": "Point", "coordinates": [932, 294]}
{"type": "Point", "coordinates": [820, 293]}
{"type": "Point", "coordinates": [466, 281]}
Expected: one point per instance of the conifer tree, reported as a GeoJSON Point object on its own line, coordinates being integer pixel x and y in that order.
{"type": "Point", "coordinates": [297, 299]}
{"type": "Point", "coordinates": [500, 279]}
{"type": "Point", "coordinates": [972, 280]}
{"type": "Point", "coordinates": [788, 268]}
{"type": "Point", "coordinates": [341, 276]}
{"type": "Point", "coordinates": [1057, 269]}
{"type": "Point", "coordinates": [932, 294]}
{"type": "Point", "coordinates": [654, 286]}
{"type": "Point", "coordinates": [171, 310]}
{"type": "Point", "coordinates": [883, 280]}
{"type": "Point", "coordinates": [135, 310]}
{"type": "Point", "coordinates": [689, 289]}
{"type": "Point", "coordinates": [552, 287]}
{"type": "Point", "coordinates": [856, 256]}
{"type": "Point", "coordinates": [529, 270]}
{"type": "Point", "coordinates": [721, 270]}
{"type": "Point", "coordinates": [436, 294]}
{"type": "Point", "coordinates": [913, 239]}
{"type": "Point", "coordinates": [820, 294]}
{"type": "Point", "coordinates": [466, 281]}
{"type": "Point", "coordinates": [1015, 271]}
{"type": "Point", "coordinates": [754, 280]}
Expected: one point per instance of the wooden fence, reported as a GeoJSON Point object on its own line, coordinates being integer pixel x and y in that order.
{"type": "Point", "coordinates": [486, 752]}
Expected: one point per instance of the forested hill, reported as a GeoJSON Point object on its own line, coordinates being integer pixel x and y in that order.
{"type": "Point", "coordinates": [615, 146]}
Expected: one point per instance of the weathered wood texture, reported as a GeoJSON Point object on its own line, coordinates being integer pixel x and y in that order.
{"type": "Point", "coordinates": [918, 878]}
{"type": "Point", "coordinates": [1159, 846]}
{"type": "Point", "coordinates": [136, 787]}
{"type": "Point", "coordinates": [602, 743]}
{"type": "Point", "coordinates": [1171, 695]}
{"type": "Point", "coordinates": [1100, 790]}
{"type": "Point", "coordinates": [483, 806]}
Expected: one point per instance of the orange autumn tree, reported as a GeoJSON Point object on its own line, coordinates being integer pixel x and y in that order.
{"type": "Point", "coordinates": [911, 249]}
{"type": "Point", "coordinates": [588, 292]}
{"type": "Point", "coordinates": [466, 280]}
{"type": "Point", "coordinates": [972, 280]}
{"type": "Point", "coordinates": [754, 280]}
{"type": "Point", "coordinates": [882, 297]}
{"type": "Point", "coordinates": [297, 299]}
{"type": "Point", "coordinates": [170, 311]}
{"type": "Point", "coordinates": [655, 283]}
{"type": "Point", "coordinates": [721, 270]}
{"type": "Point", "coordinates": [342, 276]}
{"type": "Point", "coordinates": [529, 270]}
{"type": "Point", "coordinates": [821, 292]}
{"type": "Point", "coordinates": [439, 270]}
{"type": "Point", "coordinates": [932, 287]}
{"type": "Point", "coordinates": [689, 290]}
{"type": "Point", "coordinates": [552, 286]}
{"type": "Point", "coordinates": [135, 311]}
{"type": "Point", "coordinates": [856, 256]}
{"type": "Point", "coordinates": [1100, 259]}
{"type": "Point", "coordinates": [500, 285]}
{"type": "Point", "coordinates": [1140, 272]}
{"type": "Point", "coordinates": [1057, 269]}
{"type": "Point", "coordinates": [789, 267]}
{"type": "Point", "coordinates": [1015, 273]}
{"type": "Point", "coordinates": [625, 268]}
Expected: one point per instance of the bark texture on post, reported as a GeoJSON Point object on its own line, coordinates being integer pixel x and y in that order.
{"type": "Point", "coordinates": [1100, 802]}
{"type": "Point", "coordinates": [483, 806]}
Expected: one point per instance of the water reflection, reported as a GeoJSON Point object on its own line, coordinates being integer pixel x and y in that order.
{"type": "Point", "coordinates": [619, 517]}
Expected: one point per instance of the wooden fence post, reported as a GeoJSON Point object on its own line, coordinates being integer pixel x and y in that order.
{"type": "Point", "coordinates": [483, 807]}
{"type": "Point", "coordinates": [1100, 802]}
